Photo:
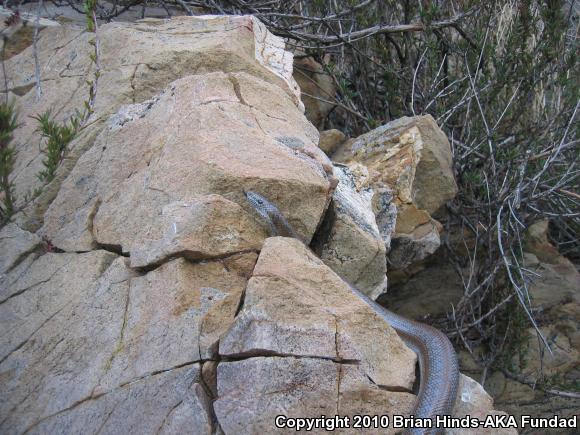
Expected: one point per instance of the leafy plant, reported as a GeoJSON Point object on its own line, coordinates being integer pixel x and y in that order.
{"type": "Point", "coordinates": [8, 123]}
{"type": "Point", "coordinates": [58, 137]}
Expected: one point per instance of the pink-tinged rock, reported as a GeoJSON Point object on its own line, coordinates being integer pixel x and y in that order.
{"type": "Point", "coordinates": [253, 392]}
{"type": "Point", "coordinates": [296, 305]}
{"type": "Point", "coordinates": [198, 139]}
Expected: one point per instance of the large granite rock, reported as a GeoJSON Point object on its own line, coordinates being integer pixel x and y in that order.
{"type": "Point", "coordinates": [160, 317]}
{"type": "Point", "coordinates": [338, 325]}
{"type": "Point", "coordinates": [324, 318]}
{"type": "Point", "coordinates": [170, 402]}
{"type": "Point", "coordinates": [310, 347]}
{"type": "Point", "coordinates": [15, 243]}
{"type": "Point", "coordinates": [107, 336]}
{"type": "Point", "coordinates": [167, 177]}
{"type": "Point", "coordinates": [137, 60]}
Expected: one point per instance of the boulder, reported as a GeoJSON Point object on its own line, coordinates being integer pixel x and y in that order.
{"type": "Point", "coordinates": [321, 356]}
{"type": "Point", "coordinates": [349, 241]}
{"type": "Point", "coordinates": [109, 340]}
{"type": "Point", "coordinates": [138, 60]}
{"type": "Point", "coordinates": [317, 88]}
{"type": "Point", "coordinates": [204, 227]}
{"type": "Point", "coordinates": [555, 279]}
{"type": "Point", "coordinates": [412, 157]}
{"type": "Point", "coordinates": [167, 177]}
{"type": "Point", "coordinates": [254, 391]}
{"type": "Point", "coordinates": [53, 357]}
{"type": "Point", "coordinates": [330, 140]}
{"type": "Point", "coordinates": [326, 319]}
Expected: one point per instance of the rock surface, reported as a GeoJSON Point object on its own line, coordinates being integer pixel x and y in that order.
{"type": "Point", "coordinates": [14, 244]}
{"type": "Point", "coordinates": [184, 191]}
{"type": "Point", "coordinates": [138, 60]}
{"type": "Point", "coordinates": [330, 140]}
{"type": "Point", "coordinates": [472, 400]}
{"type": "Point", "coordinates": [337, 324]}
{"type": "Point", "coordinates": [253, 392]}
{"type": "Point", "coordinates": [317, 88]}
{"type": "Point", "coordinates": [412, 157]}
{"type": "Point", "coordinates": [46, 287]}
{"type": "Point", "coordinates": [170, 310]}
{"type": "Point", "coordinates": [109, 328]}
{"type": "Point", "coordinates": [349, 241]}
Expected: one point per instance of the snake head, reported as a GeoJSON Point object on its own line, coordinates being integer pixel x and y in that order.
{"type": "Point", "coordinates": [256, 200]}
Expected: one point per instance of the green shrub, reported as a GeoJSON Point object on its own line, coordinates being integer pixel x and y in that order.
{"type": "Point", "coordinates": [58, 136]}
{"type": "Point", "coordinates": [8, 123]}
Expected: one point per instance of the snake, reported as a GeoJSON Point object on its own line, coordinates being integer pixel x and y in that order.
{"type": "Point", "coordinates": [438, 365]}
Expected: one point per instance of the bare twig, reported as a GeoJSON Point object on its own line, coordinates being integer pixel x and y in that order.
{"type": "Point", "coordinates": [35, 50]}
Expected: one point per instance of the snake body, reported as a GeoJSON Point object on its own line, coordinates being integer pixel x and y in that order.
{"type": "Point", "coordinates": [438, 366]}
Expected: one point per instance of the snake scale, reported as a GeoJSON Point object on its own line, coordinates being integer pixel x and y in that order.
{"type": "Point", "coordinates": [438, 366]}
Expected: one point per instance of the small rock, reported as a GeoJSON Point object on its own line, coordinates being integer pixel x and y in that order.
{"type": "Point", "coordinates": [407, 249]}
{"type": "Point", "coordinates": [330, 140]}
{"type": "Point", "coordinates": [315, 82]}
{"type": "Point", "coordinates": [472, 400]}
